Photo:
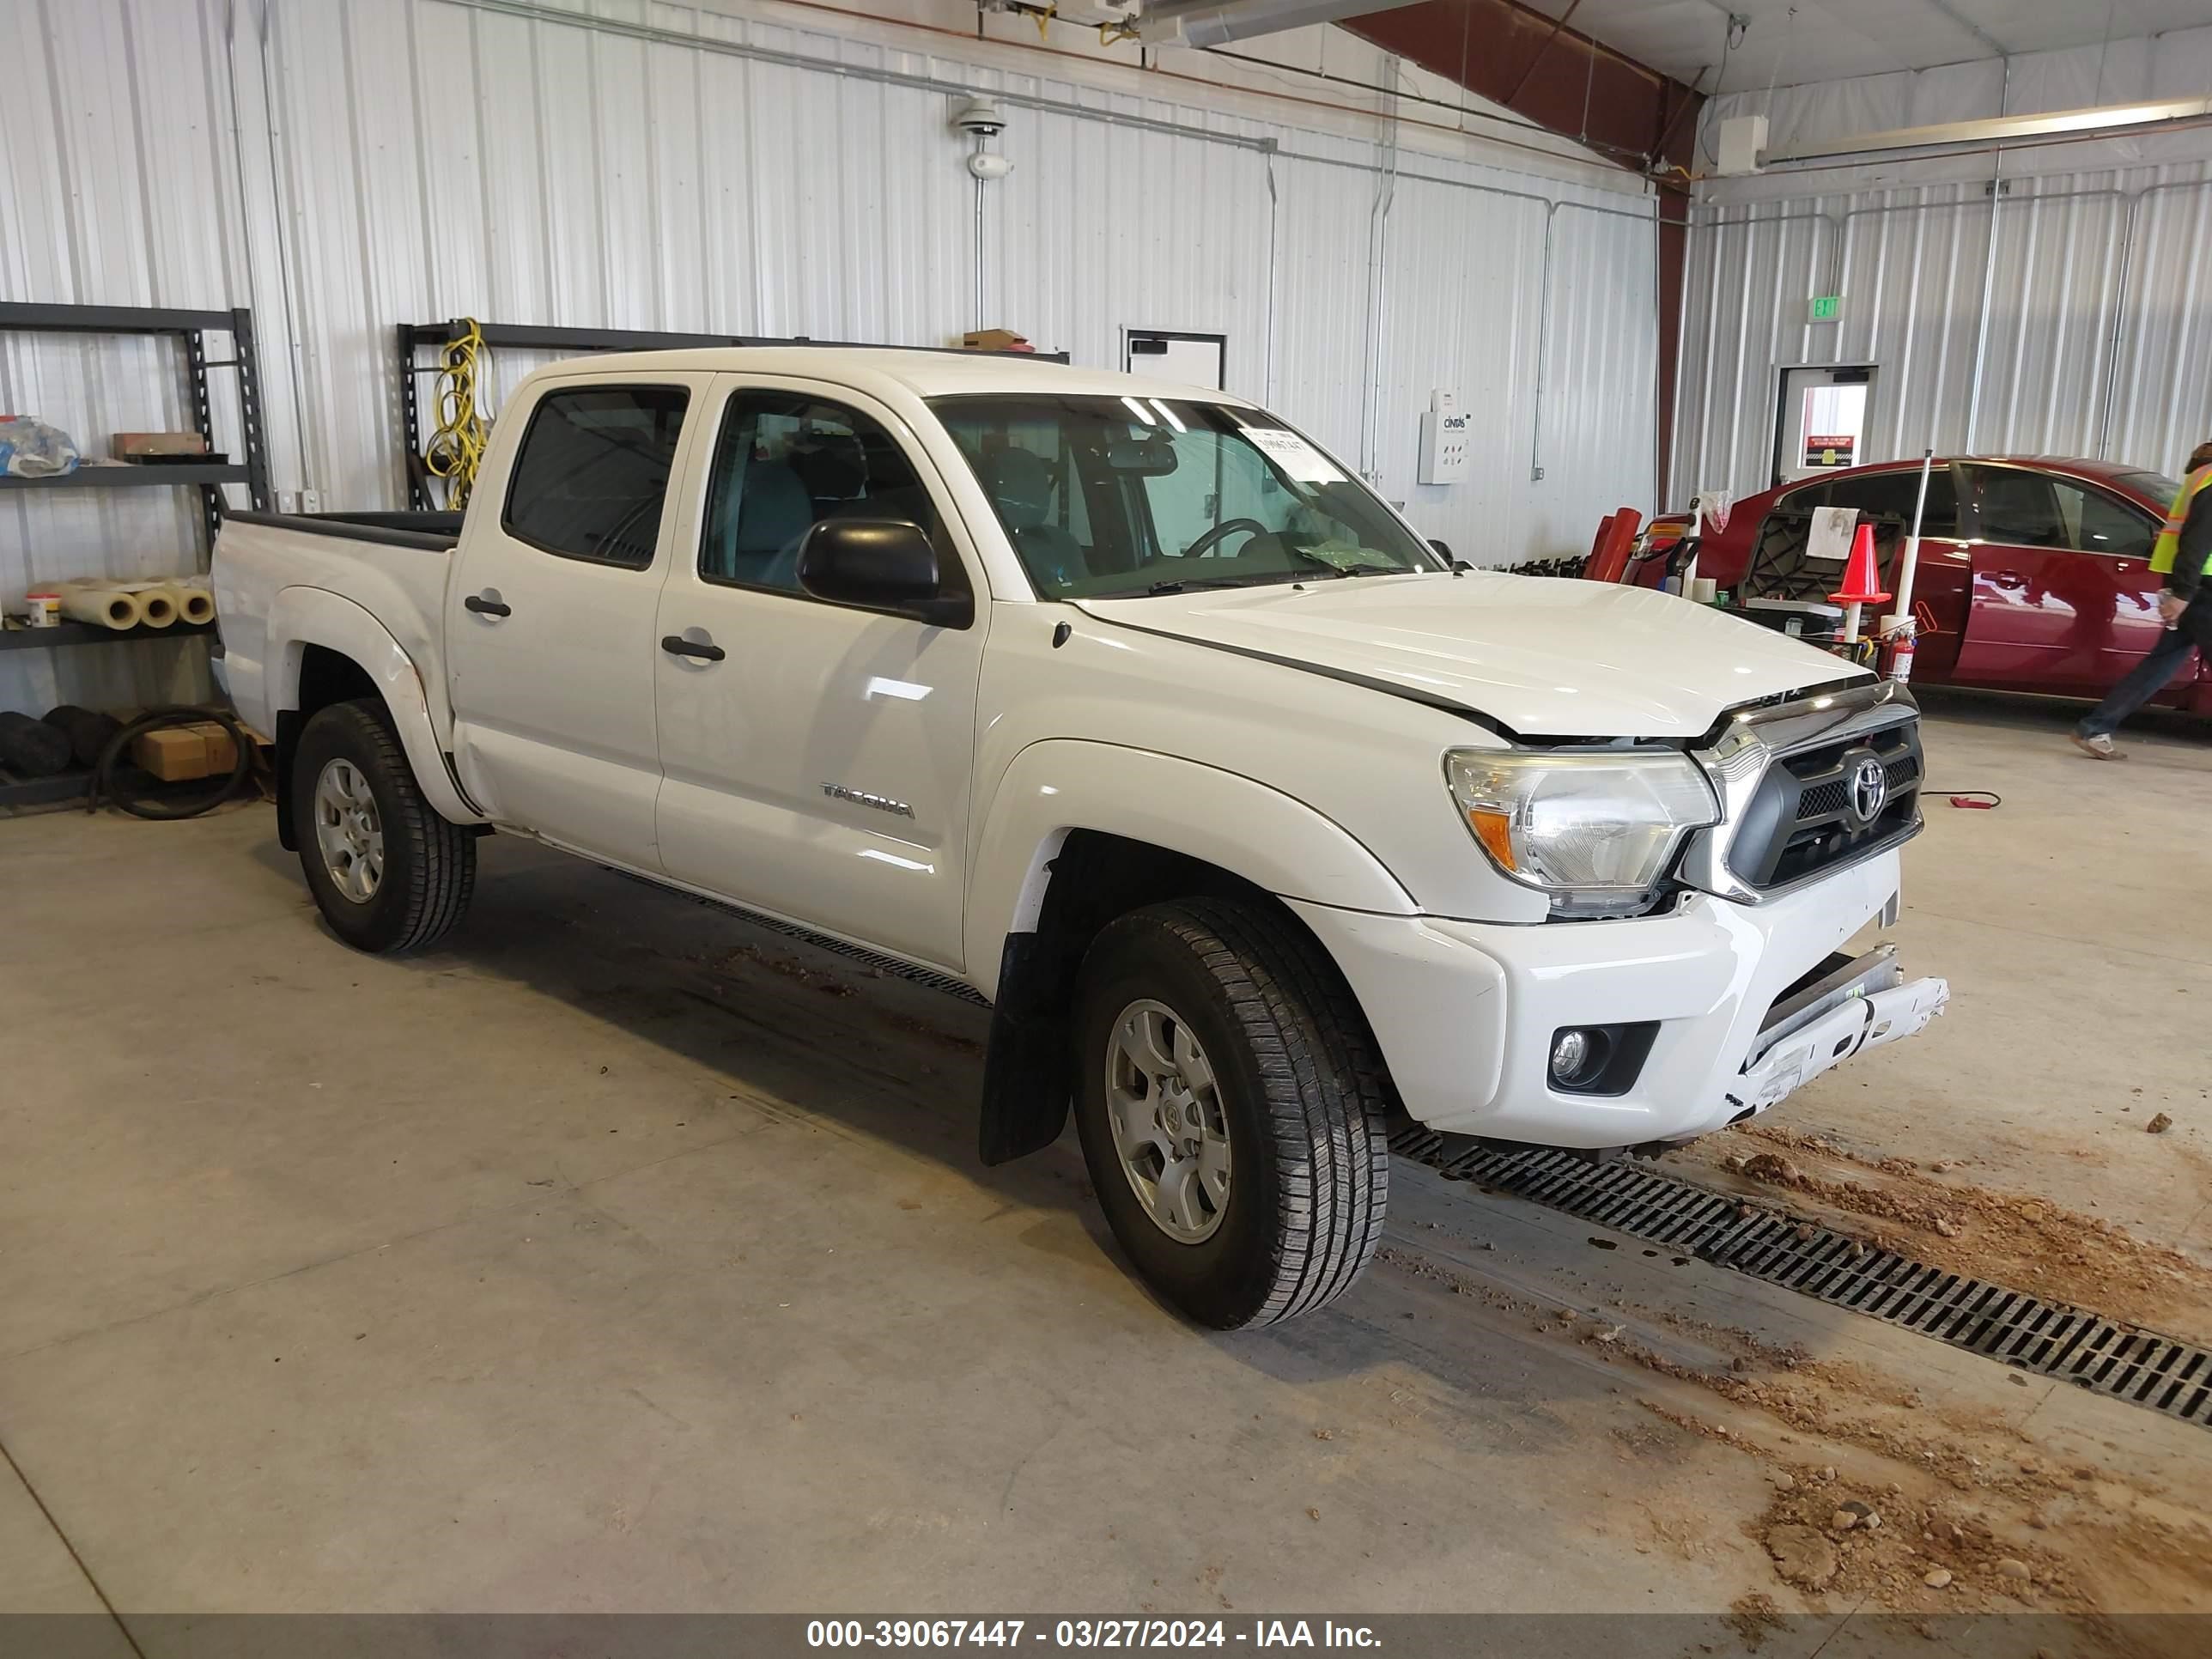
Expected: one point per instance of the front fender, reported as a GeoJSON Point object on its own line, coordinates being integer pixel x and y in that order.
{"type": "Point", "coordinates": [1270, 839]}
{"type": "Point", "coordinates": [302, 616]}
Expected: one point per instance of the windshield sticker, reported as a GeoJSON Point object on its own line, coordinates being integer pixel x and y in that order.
{"type": "Point", "coordinates": [1294, 455]}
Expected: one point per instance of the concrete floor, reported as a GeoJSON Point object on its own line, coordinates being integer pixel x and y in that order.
{"type": "Point", "coordinates": [620, 1257]}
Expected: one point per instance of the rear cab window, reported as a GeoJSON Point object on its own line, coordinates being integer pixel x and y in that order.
{"type": "Point", "coordinates": [591, 473]}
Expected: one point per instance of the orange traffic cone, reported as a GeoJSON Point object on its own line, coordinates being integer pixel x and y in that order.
{"type": "Point", "coordinates": [1861, 581]}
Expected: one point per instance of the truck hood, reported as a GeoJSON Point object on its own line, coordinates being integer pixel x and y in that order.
{"type": "Point", "coordinates": [1539, 655]}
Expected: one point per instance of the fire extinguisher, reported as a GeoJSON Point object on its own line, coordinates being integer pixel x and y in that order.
{"type": "Point", "coordinates": [1900, 654]}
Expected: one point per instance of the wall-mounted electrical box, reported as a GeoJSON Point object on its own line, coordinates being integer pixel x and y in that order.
{"type": "Point", "coordinates": [1743, 142]}
{"type": "Point", "coordinates": [1444, 426]}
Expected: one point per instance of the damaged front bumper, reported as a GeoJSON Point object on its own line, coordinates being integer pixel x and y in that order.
{"type": "Point", "coordinates": [1845, 1007]}
{"type": "Point", "coordinates": [1741, 1003]}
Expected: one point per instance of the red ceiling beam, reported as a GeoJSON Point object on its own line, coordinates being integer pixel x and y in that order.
{"type": "Point", "coordinates": [1540, 66]}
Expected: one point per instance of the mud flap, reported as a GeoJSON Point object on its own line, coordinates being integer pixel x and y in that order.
{"type": "Point", "coordinates": [1027, 1071]}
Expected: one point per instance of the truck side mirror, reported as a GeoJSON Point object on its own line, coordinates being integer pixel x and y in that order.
{"type": "Point", "coordinates": [881, 564]}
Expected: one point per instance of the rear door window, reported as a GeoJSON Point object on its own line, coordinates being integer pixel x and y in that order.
{"type": "Point", "coordinates": [1893, 495]}
{"type": "Point", "coordinates": [593, 473]}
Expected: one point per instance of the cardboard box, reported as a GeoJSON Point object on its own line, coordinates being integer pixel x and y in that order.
{"type": "Point", "coordinates": [996, 339]}
{"type": "Point", "coordinates": [127, 446]}
{"type": "Point", "coordinates": [179, 754]}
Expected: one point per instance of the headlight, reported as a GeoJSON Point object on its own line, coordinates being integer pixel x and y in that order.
{"type": "Point", "coordinates": [1593, 830]}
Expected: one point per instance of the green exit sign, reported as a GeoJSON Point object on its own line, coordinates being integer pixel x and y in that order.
{"type": "Point", "coordinates": [1826, 307]}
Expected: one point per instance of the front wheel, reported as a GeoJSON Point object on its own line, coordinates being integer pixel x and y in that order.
{"type": "Point", "coordinates": [388, 872]}
{"type": "Point", "coordinates": [1232, 1110]}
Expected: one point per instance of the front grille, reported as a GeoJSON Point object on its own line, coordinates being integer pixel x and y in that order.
{"type": "Point", "coordinates": [1804, 818]}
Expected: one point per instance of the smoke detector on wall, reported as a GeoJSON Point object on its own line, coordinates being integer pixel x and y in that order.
{"type": "Point", "coordinates": [982, 120]}
{"type": "Point", "coordinates": [980, 117]}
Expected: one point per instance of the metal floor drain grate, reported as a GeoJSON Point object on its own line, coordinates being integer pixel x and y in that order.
{"type": "Point", "coordinates": [2048, 1337]}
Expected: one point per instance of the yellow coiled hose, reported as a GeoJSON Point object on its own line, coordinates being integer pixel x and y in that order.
{"type": "Point", "coordinates": [457, 442]}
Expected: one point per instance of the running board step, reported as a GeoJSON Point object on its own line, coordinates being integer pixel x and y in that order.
{"type": "Point", "coordinates": [895, 967]}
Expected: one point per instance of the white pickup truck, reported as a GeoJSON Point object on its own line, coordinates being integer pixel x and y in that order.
{"type": "Point", "coordinates": [1261, 823]}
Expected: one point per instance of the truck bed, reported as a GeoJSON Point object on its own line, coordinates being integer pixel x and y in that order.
{"type": "Point", "coordinates": [391, 565]}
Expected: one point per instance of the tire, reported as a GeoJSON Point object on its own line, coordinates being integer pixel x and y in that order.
{"type": "Point", "coordinates": [427, 867]}
{"type": "Point", "coordinates": [1299, 1091]}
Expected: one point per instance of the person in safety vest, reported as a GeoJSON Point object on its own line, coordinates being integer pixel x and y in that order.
{"type": "Point", "coordinates": [2182, 555]}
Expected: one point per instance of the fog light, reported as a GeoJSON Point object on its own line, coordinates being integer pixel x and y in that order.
{"type": "Point", "coordinates": [1601, 1060]}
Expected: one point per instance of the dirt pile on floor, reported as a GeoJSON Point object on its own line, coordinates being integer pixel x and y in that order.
{"type": "Point", "coordinates": [2016, 1239]}
{"type": "Point", "coordinates": [1833, 1536]}
{"type": "Point", "coordinates": [1898, 1493]}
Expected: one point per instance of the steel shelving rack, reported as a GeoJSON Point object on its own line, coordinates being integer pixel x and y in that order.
{"type": "Point", "coordinates": [189, 328]}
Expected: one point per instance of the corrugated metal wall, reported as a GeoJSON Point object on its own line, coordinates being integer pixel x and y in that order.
{"type": "Point", "coordinates": [2093, 341]}
{"type": "Point", "coordinates": [346, 165]}
{"type": "Point", "coordinates": [2058, 315]}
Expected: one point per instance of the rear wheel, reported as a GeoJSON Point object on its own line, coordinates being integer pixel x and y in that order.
{"type": "Point", "coordinates": [1232, 1110]}
{"type": "Point", "coordinates": [388, 872]}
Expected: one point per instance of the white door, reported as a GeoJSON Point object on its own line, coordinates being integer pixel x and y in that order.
{"type": "Point", "coordinates": [549, 616]}
{"type": "Point", "coordinates": [1184, 359]}
{"type": "Point", "coordinates": [1821, 422]}
{"type": "Point", "coordinates": [815, 757]}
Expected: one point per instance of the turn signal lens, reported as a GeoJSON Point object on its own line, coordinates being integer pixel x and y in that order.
{"type": "Point", "coordinates": [1495, 831]}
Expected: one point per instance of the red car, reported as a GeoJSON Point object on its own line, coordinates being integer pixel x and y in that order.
{"type": "Point", "coordinates": [2034, 571]}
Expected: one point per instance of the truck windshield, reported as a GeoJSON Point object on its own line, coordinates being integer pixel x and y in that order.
{"type": "Point", "coordinates": [1108, 497]}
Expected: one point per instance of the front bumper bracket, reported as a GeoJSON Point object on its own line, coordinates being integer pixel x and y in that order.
{"type": "Point", "coordinates": [1859, 1004]}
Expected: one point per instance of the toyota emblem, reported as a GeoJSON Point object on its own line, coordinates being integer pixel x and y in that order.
{"type": "Point", "coordinates": [1869, 789]}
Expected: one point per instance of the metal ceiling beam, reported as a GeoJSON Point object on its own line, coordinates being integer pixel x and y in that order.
{"type": "Point", "coordinates": [1944, 9]}
{"type": "Point", "coordinates": [1200, 23]}
{"type": "Point", "coordinates": [1537, 56]}
{"type": "Point", "coordinates": [1536, 65]}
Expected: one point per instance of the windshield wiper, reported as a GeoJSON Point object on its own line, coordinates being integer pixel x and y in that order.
{"type": "Point", "coordinates": [1200, 584]}
{"type": "Point", "coordinates": [1363, 568]}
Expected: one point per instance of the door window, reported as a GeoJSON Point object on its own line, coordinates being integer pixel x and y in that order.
{"type": "Point", "coordinates": [2016, 507]}
{"type": "Point", "coordinates": [784, 462]}
{"type": "Point", "coordinates": [1893, 496]}
{"type": "Point", "coordinates": [592, 471]}
{"type": "Point", "coordinates": [2095, 523]}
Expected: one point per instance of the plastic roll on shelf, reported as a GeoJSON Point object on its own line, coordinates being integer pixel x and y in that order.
{"type": "Point", "coordinates": [195, 603]}
{"type": "Point", "coordinates": [157, 602]}
{"type": "Point", "coordinates": [102, 605]}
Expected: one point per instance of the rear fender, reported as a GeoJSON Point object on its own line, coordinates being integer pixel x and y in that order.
{"type": "Point", "coordinates": [305, 616]}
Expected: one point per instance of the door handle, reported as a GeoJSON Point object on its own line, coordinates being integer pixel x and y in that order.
{"type": "Point", "coordinates": [2011, 581]}
{"type": "Point", "coordinates": [677, 646]}
{"type": "Point", "coordinates": [485, 607]}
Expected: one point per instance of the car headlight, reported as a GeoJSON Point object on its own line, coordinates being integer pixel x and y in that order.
{"type": "Point", "coordinates": [1593, 830]}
